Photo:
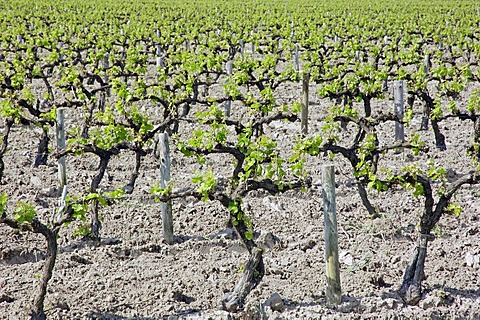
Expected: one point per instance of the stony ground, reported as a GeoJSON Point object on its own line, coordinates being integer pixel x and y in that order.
{"type": "Point", "coordinates": [133, 274]}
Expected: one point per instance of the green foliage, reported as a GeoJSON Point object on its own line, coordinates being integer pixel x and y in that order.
{"type": "Point", "coordinates": [50, 115]}
{"type": "Point", "coordinates": [96, 196]}
{"type": "Point", "coordinates": [80, 211]}
{"type": "Point", "coordinates": [437, 111]}
{"type": "Point", "coordinates": [238, 215]}
{"type": "Point", "coordinates": [454, 208]}
{"type": "Point", "coordinates": [347, 56]}
{"type": "Point", "coordinates": [24, 212]}
{"type": "Point", "coordinates": [82, 230]}
{"type": "Point", "coordinates": [158, 191]}
{"type": "Point", "coordinates": [205, 183]}
{"type": "Point", "coordinates": [259, 151]}
{"type": "Point", "coordinates": [473, 104]}
{"type": "Point", "coordinates": [3, 202]}
{"type": "Point", "coordinates": [115, 194]}
{"type": "Point", "coordinates": [8, 109]}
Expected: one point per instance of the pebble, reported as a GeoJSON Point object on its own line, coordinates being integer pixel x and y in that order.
{"type": "Point", "coordinates": [35, 181]}
{"type": "Point", "coordinates": [275, 302]}
{"type": "Point", "coordinates": [472, 260]}
{"type": "Point", "coordinates": [346, 258]}
{"type": "Point", "coordinates": [430, 302]}
{"type": "Point", "coordinates": [349, 306]}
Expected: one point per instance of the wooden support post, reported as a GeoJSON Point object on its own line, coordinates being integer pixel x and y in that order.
{"type": "Point", "coordinates": [242, 47]}
{"type": "Point", "coordinates": [297, 58]}
{"type": "Point", "coordinates": [305, 84]}
{"type": "Point", "coordinates": [60, 133]}
{"type": "Point", "coordinates": [61, 204]}
{"type": "Point", "coordinates": [159, 54]}
{"type": "Point", "coordinates": [426, 64]}
{"type": "Point", "coordinates": [159, 59]}
{"type": "Point", "coordinates": [228, 104]}
{"type": "Point", "coordinates": [106, 93]}
{"type": "Point", "coordinates": [123, 55]}
{"type": "Point", "coordinates": [358, 56]}
{"type": "Point", "coordinates": [398, 93]}
{"type": "Point", "coordinates": [162, 152]}
{"type": "Point", "coordinates": [61, 57]}
{"type": "Point", "coordinates": [106, 65]}
{"type": "Point", "coordinates": [334, 290]}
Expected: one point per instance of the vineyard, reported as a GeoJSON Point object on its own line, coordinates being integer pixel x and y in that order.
{"type": "Point", "coordinates": [165, 159]}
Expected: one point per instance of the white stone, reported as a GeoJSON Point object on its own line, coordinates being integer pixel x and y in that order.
{"type": "Point", "coordinates": [346, 258]}
{"type": "Point", "coordinates": [275, 302]}
{"type": "Point", "coordinates": [472, 260]}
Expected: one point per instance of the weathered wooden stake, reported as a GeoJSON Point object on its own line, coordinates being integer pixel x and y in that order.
{"type": "Point", "coordinates": [228, 104]}
{"type": "Point", "coordinates": [61, 57]}
{"type": "Point", "coordinates": [163, 154]}
{"type": "Point", "coordinates": [426, 64]}
{"type": "Point", "coordinates": [297, 58]}
{"type": "Point", "coordinates": [385, 85]}
{"type": "Point", "coordinates": [60, 133]}
{"type": "Point", "coordinates": [334, 290]}
{"type": "Point", "coordinates": [159, 54]}
{"type": "Point", "coordinates": [358, 56]}
{"type": "Point", "coordinates": [242, 47]}
{"type": "Point", "coordinates": [61, 204]}
{"type": "Point", "coordinates": [304, 123]}
{"type": "Point", "coordinates": [398, 93]}
{"type": "Point", "coordinates": [106, 65]}
{"type": "Point", "coordinates": [106, 93]}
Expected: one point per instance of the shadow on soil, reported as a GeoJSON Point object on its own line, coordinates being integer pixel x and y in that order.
{"type": "Point", "coordinates": [113, 316]}
{"type": "Point", "coordinates": [464, 293]}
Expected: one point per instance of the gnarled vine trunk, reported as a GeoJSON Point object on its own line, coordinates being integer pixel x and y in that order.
{"type": "Point", "coordinates": [42, 150]}
{"type": "Point", "coordinates": [38, 312]}
{"type": "Point", "coordinates": [251, 277]}
{"type": "Point", "coordinates": [428, 107]}
{"type": "Point", "coordinates": [94, 207]}
{"type": "Point", "coordinates": [411, 289]}
{"type": "Point", "coordinates": [254, 269]}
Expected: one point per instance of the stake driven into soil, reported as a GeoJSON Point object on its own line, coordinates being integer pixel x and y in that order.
{"type": "Point", "coordinates": [334, 289]}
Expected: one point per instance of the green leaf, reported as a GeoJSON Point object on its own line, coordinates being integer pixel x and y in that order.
{"type": "Point", "coordinates": [249, 234]}
{"type": "Point", "coordinates": [115, 194]}
{"type": "Point", "coordinates": [3, 202]}
{"type": "Point", "coordinates": [206, 182]}
{"type": "Point", "coordinates": [79, 212]}
{"type": "Point", "coordinates": [82, 231]}
{"type": "Point", "coordinates": [455, 209]}
{"type": "Point", "coordinates": [233, 207]}
{"type": "Point", "coordinates": [418, 190]}
{"type": "Point", "coordinates": [24, 212]}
